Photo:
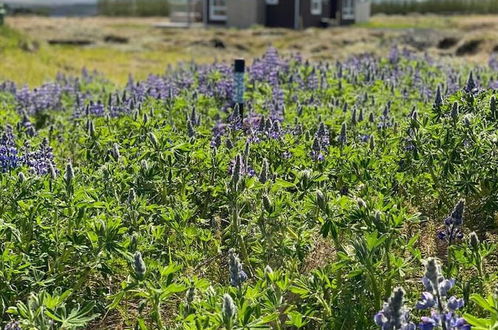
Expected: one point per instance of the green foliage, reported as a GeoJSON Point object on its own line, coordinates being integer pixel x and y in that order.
{"type": "Point", "coordinates": [138, 218]}
{"type": "Point", "coordinates": [436, 6]}
{"type": "Point", "coordinates": [133, 7]}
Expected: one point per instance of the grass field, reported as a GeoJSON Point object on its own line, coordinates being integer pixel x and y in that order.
{"type": "Point", "coordinates": [27, 57]}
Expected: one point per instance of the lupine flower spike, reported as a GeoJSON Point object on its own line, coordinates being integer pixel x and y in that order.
{"type": "Point", "coordinates": [453, 224]}
{"type": "Point", "coordinates": [237, 274]}
{"type": "Point", "coordinates": [394, 314]}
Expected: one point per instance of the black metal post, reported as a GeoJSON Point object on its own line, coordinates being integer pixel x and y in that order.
{"type": "Point", "coordinates": [238, 77]}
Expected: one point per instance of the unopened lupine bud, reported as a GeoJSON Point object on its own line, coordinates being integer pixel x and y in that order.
{"type": "Point", "coordinates": [438, 101]}
{"type": "Point", "coordinates": [144, 164]}
{"type": "Point", "coordinates": [132, 197]}
{"type": "Point", "coordinates": [474, 240]}
{"type": "Point", "coordinates": [371, 117]}
{"type": "Point", "coordinates": [267, 204]}
{"type": "Point", "coordinates": [343, 135]}
{"type": "Point", "coordinates": [492, 107]}
{"type": "Point", "coordinates": [306, 176]}
{"type": "Point", "coordinates": [69, 172]}
{"type": "Point", "coordinates": [378, 216]}
{"type": "Point", "coordinates": [190, 129]}
{"type": "Point", "coordinates": [229, 143]}
{"type": "Point", "coordinates": [154, 140]}
{"type": "Point", "coordinates": [115, 152]}
{"type": "Point", "coordinates": [140, 268]}
{"type": "Point", "coordinates": [190, 295]}
{"type": "Point", "coordinates": [133, 242]}
{"type": "Point", "coordinates": [372, 143]}
{"type": "Point", "coordinates": [414, 115]}
{"type": "Point", "coordinates": [228, 308]}
{"type": "Point", "coordinates": [145, 118]}
{"type": "Point", "coordinates": [90, 128]}
{"type": "Point", "coordinates": [237, 170]}
{"type": "Point", "coordinates": [360, 116]}
{"type": "Point", "coordinates": [454, 111]}
{"type": "Point", "coordinates": [321, 200]}
{"type": "Point", "coordinates": [53, 172]}
{"type": "Point", "coordinates": [247, 150]}
{"type": "Point", "coordinates": [265, 171]}
{"type": "Point", "coordinates": [471, 85]}
{"type": "Point", "coordinates": [353, 117]}
{"type": "Point", "coordinates": [22, 177]}
{"type": "Point", "coordinates": [361, 203]}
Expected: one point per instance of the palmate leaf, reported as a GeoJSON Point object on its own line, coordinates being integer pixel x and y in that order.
{"type": "Point", "coordinates": [77, 318]}
{"type": "Point", "coordinates": [481, 323]}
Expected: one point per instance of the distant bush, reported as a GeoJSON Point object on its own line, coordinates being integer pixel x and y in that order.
{"type": "Point", "coordinates": [133, 7]}
{"type": "Point", "coordinates": [437, 6]}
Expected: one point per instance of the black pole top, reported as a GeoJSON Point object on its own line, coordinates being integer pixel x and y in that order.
{"type": "Point", "coordinates": [240, 65]}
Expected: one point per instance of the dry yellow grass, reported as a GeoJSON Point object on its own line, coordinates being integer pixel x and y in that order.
{"type": "Point", "coordinates": [27, 57]}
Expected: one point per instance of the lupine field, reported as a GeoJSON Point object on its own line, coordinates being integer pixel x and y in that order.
{"type": "Point", "coordinates": [361, 194]}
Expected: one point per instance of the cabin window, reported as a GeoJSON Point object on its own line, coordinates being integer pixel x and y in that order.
{"type": "Point", "coordinates": [272, 2]}
{"type": "Point", "coordinates": [348, 9]}
{"type": "Point", "coordinates": [316, 7]}
{"type": "Point", "coordinates": [218, 10]}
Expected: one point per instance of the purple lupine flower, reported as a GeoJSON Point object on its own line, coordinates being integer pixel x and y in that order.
{"type": "Point", "coordinates": [394, 315]}
{"type": "Point", "coordinates": [343, 136]}
{"type": "Point", "coordinates": [443, 308]}
{"type": "Point", "coordinates": [453, 223]}
{"type": "Point", "coordinates": [455, 303]}
{"type": "Point", "coordinates": [9, 158]}
{"type": "Point", "coordinates": [471, 86]}
{"type": "Point", "coordinates": [237, 274]}
{"type": "Point", "coordinates": [322, 135]}
{"type": "Point", "coordinates": [427, 301]}
{"type": "Point", "coordinates": [394, 55]}
{"type": "Point", "coordinates": [39, 161]}
{"type": "Point", "coordinates": [493, 62]}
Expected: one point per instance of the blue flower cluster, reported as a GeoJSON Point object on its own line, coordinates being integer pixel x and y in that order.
{"type": "Point", "coordinates": [394, 315]}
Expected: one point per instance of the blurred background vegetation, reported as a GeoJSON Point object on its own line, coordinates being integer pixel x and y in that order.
{"type": "Point", "coordinates": [435, 6]}
{"type": "Point", "coordinates": [133, 7]}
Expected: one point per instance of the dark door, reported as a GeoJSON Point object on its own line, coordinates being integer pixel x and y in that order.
{"type": "Point", "coordinates": [334, 7]}
{"type": "Point", "coordinates": [280, 13]}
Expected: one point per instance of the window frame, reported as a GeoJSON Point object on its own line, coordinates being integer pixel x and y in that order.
{"type": "Point", "coordinates": [214, 6]}
{"type": "Point", "coordinates": [316, 7]}
{"type": "Point", "coordinates": [348, 12]}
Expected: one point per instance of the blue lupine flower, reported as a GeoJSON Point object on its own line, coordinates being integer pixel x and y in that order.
{"type": "Point", "coordinates": [455, 303]}
{"type": "Point", "coordinates": [453, 223]}
{"type": "Point", "coordinates": [427, 301]}
{"type": "Point", "coordinates": [443, 312]}
{"type": "Point", "coordinates": [237, 274]}
{"type": "Point", "coordinates": [394, 314]}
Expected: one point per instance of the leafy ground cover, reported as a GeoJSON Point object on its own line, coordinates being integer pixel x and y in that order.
{"type": "Point", "coordinates": [319, 205]}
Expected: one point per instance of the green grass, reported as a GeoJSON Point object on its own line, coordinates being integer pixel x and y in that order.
{"type": "Point", "coordinates": [440, 6]}
{"type": "Point", "coordinates": [42, 64]}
